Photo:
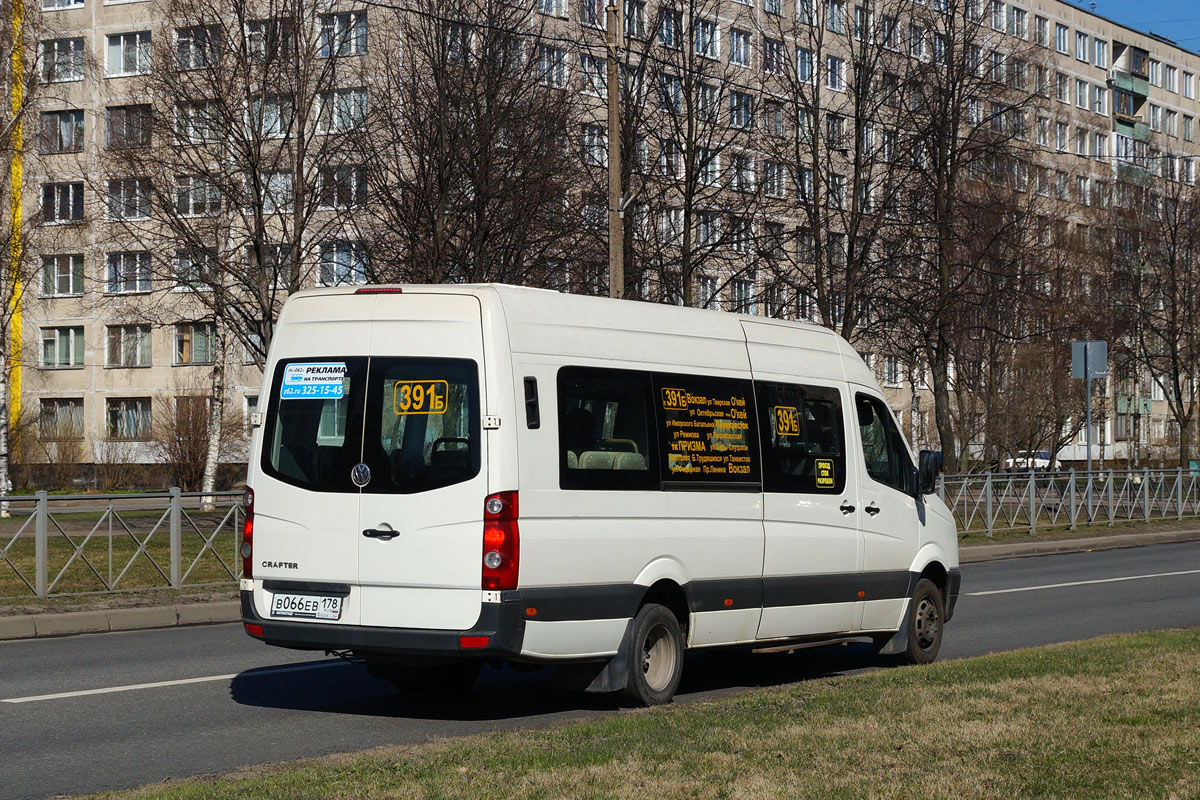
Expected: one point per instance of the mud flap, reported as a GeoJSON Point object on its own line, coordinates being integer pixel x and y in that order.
{"type": "Point", "coordinates": [898, 644]}
{"type": "Point", "coordinates": [597, 676]}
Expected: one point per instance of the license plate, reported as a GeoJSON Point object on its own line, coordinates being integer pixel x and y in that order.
{"type": "Point", "coordinates": [309, 606]}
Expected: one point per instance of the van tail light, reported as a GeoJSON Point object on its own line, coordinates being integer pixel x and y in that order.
{"type": "Point", "coordinates": [247, 549]}
{"type": "Point", "coordinates": [501, 541]}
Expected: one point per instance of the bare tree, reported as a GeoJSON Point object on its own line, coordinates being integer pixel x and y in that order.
{"type": "Point", "coordinates": [467, 141]}
{"type": "Point", "coordinates": [237, 170]}
{"type": "Point", "coordinates": [1157, 285]}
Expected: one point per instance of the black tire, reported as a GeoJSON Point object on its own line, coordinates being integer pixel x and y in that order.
{"type": "Point", "coordinates": [446, 680]}
{"type": "Point", "coordinates": [655, 657]}
{"type": "Point", "coordinates": [926, 622]}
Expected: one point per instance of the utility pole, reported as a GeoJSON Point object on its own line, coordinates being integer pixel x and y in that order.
{"type": "Point", "coordinates": [616, 236]}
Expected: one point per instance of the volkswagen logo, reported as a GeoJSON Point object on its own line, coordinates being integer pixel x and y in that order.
{"type": "Point", "coordinates": [361, 475]}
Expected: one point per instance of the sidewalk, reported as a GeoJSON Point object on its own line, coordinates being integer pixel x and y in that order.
{"type": "Point", "coordinates": [127, 619]}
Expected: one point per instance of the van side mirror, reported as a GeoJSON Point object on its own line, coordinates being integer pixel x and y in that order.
{"type": "Point", "coordinates": [929, 467]}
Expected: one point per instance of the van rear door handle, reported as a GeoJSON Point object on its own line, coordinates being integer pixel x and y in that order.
{"type": "Point", "coordinates": [846, 508]}
{"type": "Point", "coordinates": [380, 533]}
{"type": "Point", "coordinates": [872, 509]}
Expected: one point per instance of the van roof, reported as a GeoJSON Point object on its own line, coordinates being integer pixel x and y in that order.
{"type": "Point", "coordinates": [565, 300]}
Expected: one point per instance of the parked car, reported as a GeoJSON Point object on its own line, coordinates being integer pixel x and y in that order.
{"type": "Point", "coordinates": [1039, 461]}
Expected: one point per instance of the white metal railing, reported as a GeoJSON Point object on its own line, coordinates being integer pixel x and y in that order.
{"type": "Point", "coordinates": [1026, 501]}
{"type": "Point", "coordinates": [72, 544]}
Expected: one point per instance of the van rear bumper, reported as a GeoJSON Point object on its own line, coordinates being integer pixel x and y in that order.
{"type": "Point", "coordinates": [502, 623]}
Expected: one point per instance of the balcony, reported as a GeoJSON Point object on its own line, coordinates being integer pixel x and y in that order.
{"type": "Point", "coordinates": [1134, 84]}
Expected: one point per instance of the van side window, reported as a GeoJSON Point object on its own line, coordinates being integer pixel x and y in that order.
{"type": "Point", "coordinates": [604, 430]}
{"type": "Point", "coordinates": [883, 448]}
{"type": "Point", "coordinates": [707, 429]}
{"type": "Point", "coordinates": [803, 438]}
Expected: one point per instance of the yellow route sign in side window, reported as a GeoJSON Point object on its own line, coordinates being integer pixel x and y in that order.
{"type": "Point", "coordinates": [824, 468]}
{"type": "Point", "coordinates": [787, 421]}
{"type": "Point", "coordinates": [420, 397]}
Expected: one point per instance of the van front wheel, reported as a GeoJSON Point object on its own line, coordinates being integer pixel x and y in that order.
{"type": "Point", "coordinates": [926, 619]}
{"type": "Point", "coordinates": [655, 656]}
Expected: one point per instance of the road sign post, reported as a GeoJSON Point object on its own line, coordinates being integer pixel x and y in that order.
{"type": "Point", "coordinates": [1089, 360]}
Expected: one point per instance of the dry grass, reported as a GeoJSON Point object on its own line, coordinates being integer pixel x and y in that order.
{"type": "Point", "coordinates": [1117, 717]}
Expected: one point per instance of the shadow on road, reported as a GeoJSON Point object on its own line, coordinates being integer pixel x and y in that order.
{"type": "Point", "coordinates": [503, 693]}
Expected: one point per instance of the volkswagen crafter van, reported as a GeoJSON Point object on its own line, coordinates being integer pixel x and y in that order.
{"type": "Point", "coordinates": [446, 475]}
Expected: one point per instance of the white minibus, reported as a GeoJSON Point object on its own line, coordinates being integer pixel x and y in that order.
{"type": "Point", "coordinates": [442, 476]}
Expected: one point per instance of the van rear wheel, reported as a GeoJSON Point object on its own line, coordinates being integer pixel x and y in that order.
{"type": "Point", "coordinates": [655, 656]}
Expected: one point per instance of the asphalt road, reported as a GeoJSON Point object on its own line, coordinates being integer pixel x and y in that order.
{"type": "Point", "coordinates": [230, 701]}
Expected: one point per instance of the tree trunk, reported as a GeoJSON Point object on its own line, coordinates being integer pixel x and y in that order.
{"type": "Point", "coordinates": [216, 415]}
{"type": "Point", "coordinates": [941, 406]}
{"type": "Point", "coordinates": [5, 479]}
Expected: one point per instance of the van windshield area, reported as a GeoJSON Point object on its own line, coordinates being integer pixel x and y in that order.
{"type": "Point", "coordinates": [413, 421]}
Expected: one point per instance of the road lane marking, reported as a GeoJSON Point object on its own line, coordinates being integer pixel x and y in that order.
{"type": "Point", "coordinates": [158, 684]}
{"type": "Point", "coordinates": [1084, 583]}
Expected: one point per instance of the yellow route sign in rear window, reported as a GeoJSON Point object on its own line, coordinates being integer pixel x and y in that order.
{"type": "Point", "coordinates": [420, 397]}
{"type": "Point", "coordinates": [824, 467]}
{"type": "Point", "coordinates": [787, 421]}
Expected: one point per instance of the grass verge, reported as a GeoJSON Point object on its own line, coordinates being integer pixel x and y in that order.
{"type": "Point", "coordinates": [1107, 718]}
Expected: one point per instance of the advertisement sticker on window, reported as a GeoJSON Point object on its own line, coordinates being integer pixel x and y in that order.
{"type": "Point", "coordinates": [313, 381]}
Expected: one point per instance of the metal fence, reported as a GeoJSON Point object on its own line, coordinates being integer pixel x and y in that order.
{"type": "Point", "coordinates": [74, 544]}
{"type": "Point", "coordinates": [1028, 501]}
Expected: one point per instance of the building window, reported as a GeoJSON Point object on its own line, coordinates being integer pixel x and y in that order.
{"type": "Point", "coordinates": [62, 131]}
{"type": "Point", "coordinates": [129, 198]}
{"type": "Point", "coordinates": [1100, 100]}
{"type": "Point", "coordinates": [743, 296]}
{"type": "Point", "coordinates": [592, 13]}
{"type": "Point", "coordinates": [1100, 48]}
{"type": "Point", "coordinates": [741, 109]}
{"type": "Point", "coordinates": [1188, 124]}
{"type": "Point", "coordinates": [127, 126]}
{"type": "Point", "coordinates": [277, 192]}
{"type": "Point", "coordinates": [1041, 31]}
{"type": "Point", "coordinates": [709, 106]}
{"type": "Point", "coordinates": [741, 166]}
{"type": "Point", "coordinates": [595, 75]}
{"type": "Point", "coordinates": [1060, 37]}
{"type": "Point", "coordinates": [670, 158]}
{"type": "Point", "coordinates": [835, 73]}
{"type": "Point", "coordinates": [269, 39]}
{"type": "Point", "coordinates": [672, 225]}
{"type": "Point", "coordinates": [128, 345]}
{"type": "Point", "coordinates": [341, 110]}
{"type": "Point", "coordinates": [193, 343]}
{"type": "Point", "coordinates": [343, 262]}
{"type": "Point", "coordinates": [1016, 22]}
{"type": "Point", "coordinates": [196, 196]}
{"type": "Point", "coordinates": [707, 40]}
{"type": "Point", "coordinates": [1155, 117]}
{"type": "Point", "coordinates": [1081, 46]}
{"type": "Point", "coordinates": [709, 297]}
{"type": "Point", "coordinates": [595, 145]}
{"type": "Point", "coordinates": [1081, 93]}
{"type": "Point", "coordinates": [62, 275]}
{"type": "Point", "coordinates": [1189, 85]}
{"type": "Point", "coordinates": [128, 418]}
{"type": "Point", "coordinates": [635, 19]}
{"type": "Point", "coordinates": [1155, 73]}
{"type": "Point", "coordinates": [194, 270]}
{"type": "Point", "coordinates": [804, 65]}
{"type": "Point", "coordinates": [773, 7]}
{"type": "Point", "coordinates": [552, 66]}
{"type": "Point", "coordinates": [62, 347]}
{"type": "Point", "coordinates": [891, 371]}
{"type": "Point", "coordinates": [343, 186]}
{"type": "Point", "coordinates": [1172, 79]}
{"type": "Point", "coordinates": [128, 272]}
{"type": "Point", "coordinates": [669, 27]}
{"type": "Point", "coordinates": [197, 47]}
{"type": "Point", "coordinates": [344, 34]}
{"type": "Point", "coordinates": [555, 8]}
{"type": "Point", "coordinates": [62, 59]}
{"type": "Point", "coordinates": [271, 116]}
{"type": "Point", "coordinates": [60, 418]}
{"type": "Point", "coordinates": [772, 56]}
{"type": "Point", "coordinates": [62, 202]}
{"type": "Point", "coordinates": [196, 122]}
{"type": "Point", "coordinates": [773, 179]}
{"type": "Point", "coordinates": [835, 20]}
{"type": "Point", "coordinates": [128, 54]}
{"type": "Point", "coordinates": [997, 15]}
{"type": "Point", "coordinates": [708, 228]}
{"type": "Point", "coordinates": [773, 118]}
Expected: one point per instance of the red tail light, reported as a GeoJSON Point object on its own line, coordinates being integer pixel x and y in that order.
{"type": "Point", "coordinates": [501, 541]}
{"type": "Point", "coordinates": [253, 630]}
{"type": "Point", "coordinates": [247, 549]}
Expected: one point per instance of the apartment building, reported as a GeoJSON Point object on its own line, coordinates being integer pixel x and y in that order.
{"type": "Point", "coordinates": [108, 348]}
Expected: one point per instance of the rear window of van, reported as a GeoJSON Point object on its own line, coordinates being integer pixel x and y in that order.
{"type": "Point", "coordinates": [413, 421]}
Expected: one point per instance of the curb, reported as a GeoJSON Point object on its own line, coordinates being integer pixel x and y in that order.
{"type": "Point", "coordinates": [131, 619]}
{"type": "Point", "coordinates": [980, 553]}
{"type": "Point", "coordinates": [118, 619]}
